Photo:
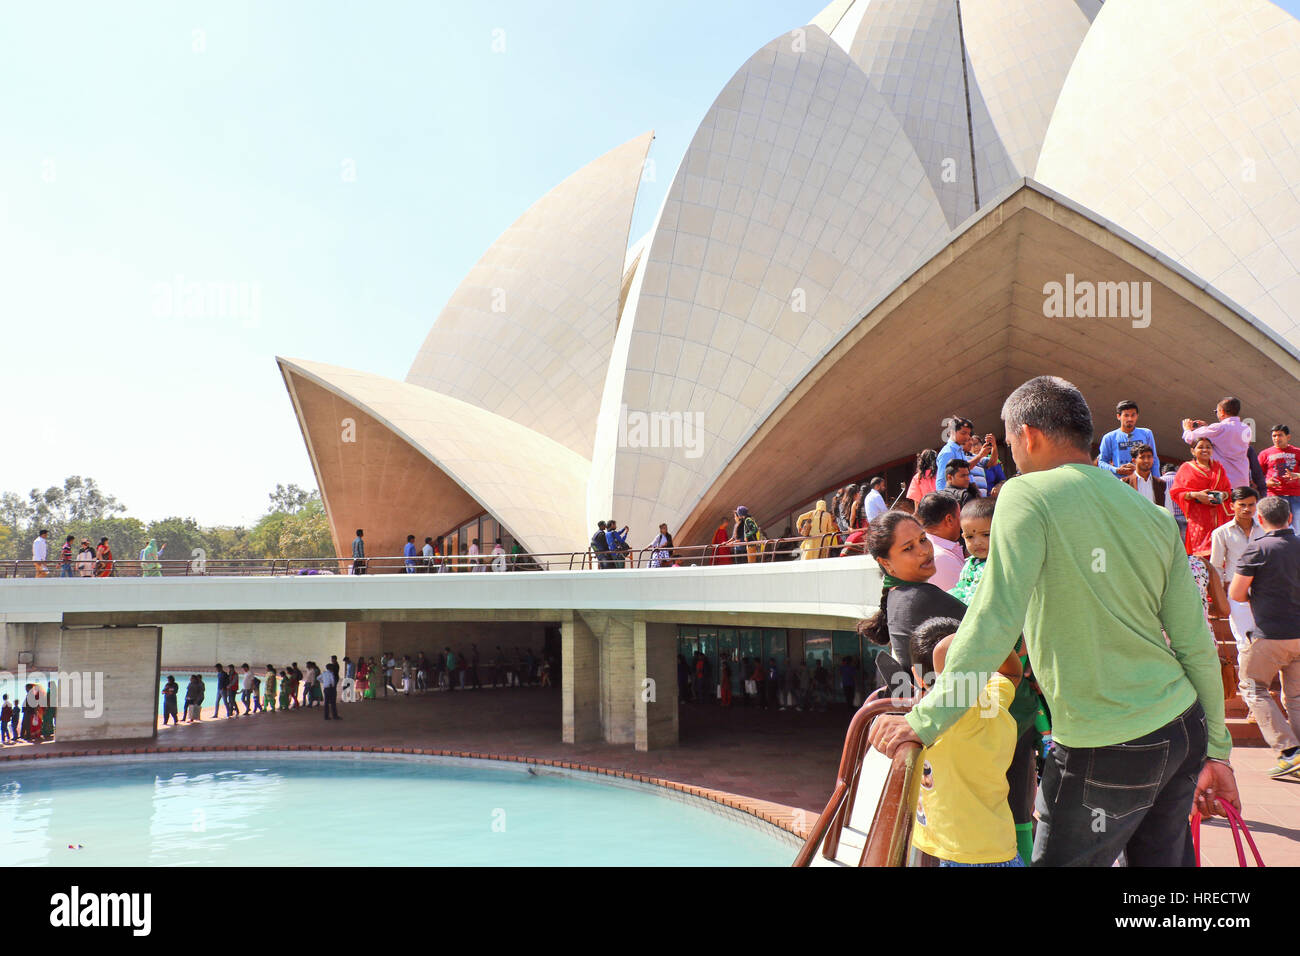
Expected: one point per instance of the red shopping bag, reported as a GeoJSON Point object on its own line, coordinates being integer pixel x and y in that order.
{"type": "Point", "coordinates": [1239, 829]}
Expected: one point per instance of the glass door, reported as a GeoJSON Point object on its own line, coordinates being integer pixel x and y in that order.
{"type": "Point", "coordinates": [729, 652]}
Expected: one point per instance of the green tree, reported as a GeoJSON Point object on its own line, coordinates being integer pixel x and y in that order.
{"type": "Point", "coordinates": [183, 537]}
{"type": "Point", "coordinates": [306, 534]}
{"type": "Point", "coordinates": [294, 525]}
{"type": "Point", "coordinates": [228, 543]}
{"type": "Point", "coordinates": [78, 500]}
{"type": "Point", "coordinates": [291, 500]}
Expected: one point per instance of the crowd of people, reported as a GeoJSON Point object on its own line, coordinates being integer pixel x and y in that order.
{"type": "Point", "coordinates": [1054, 633]}
{"type": "Point", "coordinates": [29, 718]}
{"type": "Point", "coordinates": [433, 556]}
{"type": "Point", "coordinates": [85, 561]}
{"type": "Point", "coordinates": [797, 685]}
{"type": "Point", "coordinates": [297, 688]}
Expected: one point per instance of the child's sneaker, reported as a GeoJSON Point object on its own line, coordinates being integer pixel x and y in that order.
{"type": "Point", "coordinates": [1285, 765]}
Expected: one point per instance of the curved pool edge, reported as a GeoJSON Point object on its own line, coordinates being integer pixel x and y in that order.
{"type": "Point", "coordinates": [790, 823]}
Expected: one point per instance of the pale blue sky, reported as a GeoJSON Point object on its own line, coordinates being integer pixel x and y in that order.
{"type": "Point", "coordinates": [214, 140]}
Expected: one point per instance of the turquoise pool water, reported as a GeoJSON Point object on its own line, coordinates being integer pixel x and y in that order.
{"type": "Point", "coordinates": [273, 810]}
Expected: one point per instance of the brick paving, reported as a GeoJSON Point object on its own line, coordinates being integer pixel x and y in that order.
{"type": "Point", "coordinates": [779, 765]}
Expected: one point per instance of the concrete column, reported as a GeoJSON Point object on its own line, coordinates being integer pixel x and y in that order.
{"type": "Point", "coordinates": [629, 668]}
{"type": "Point", "coordinates": [654, 653]}
{"type": "Point", "coordinates": [27, 644]}
{"type": "Point", "coordinates": [121, 667]}
{"type": "Point", "coordinates": [619, 688]}
{"type": "Point", "coordinates": [580, 683]}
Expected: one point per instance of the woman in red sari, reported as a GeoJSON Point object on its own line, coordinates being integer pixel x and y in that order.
{"type": "Point", "coordinates": [103, 559]}
{"type": "Point", "coordinates": [720, 554]}
{"type": "Point", "coordinates": [1193, 489]}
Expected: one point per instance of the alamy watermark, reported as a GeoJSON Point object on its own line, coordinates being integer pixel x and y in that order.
{"type": "Point", "coordinates": [685, 430]}
{"type": "Point", "coordinates": [126, 910]}
{"type": "Point", "coordinates": [965, 689]}
{"type": "Point", "coordinates": [81, 690]}
{"type": "Point", "coordinates": [180, 299]}
{"type": "Point", "coordinates": [1084, 299]}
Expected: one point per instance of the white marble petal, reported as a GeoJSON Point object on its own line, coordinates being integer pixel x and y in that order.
{"type": "Point", "coordinates": [528, 333]}
{"type": "Point", "coordinates": [1180, 122]}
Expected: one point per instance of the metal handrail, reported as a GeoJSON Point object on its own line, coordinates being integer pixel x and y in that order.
{"type": "Point", "coordinates": [891, 827]}
{"type": "Point", "coordinates": [701, 555]}
{"type": "Point", "coordinates": [826, 831]}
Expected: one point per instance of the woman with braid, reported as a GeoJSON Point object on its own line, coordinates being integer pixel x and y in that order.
{"type": "Point", "coordinates": [899, 544]}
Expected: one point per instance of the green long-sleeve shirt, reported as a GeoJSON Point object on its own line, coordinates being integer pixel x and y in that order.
{"type": "Point", "coordinates": [1092, 572]}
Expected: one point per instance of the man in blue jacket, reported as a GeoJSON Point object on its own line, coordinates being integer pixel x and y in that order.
{"type": "Point", "coordinates": [617, 543]}
{"type": "Point", "coordinates": [1116, 454]}
{"type": "Point", "coordinates": [959, 431]}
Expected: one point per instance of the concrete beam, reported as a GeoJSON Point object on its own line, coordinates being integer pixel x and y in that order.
{"type": "Point", "coordinates": [309, 616]}
{"type": "Point", "coordinates": [362, 616]}
{"type": "Point", "coordinates": [784, 594]}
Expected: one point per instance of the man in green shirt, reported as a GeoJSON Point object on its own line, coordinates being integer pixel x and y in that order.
{"type": "Point", "coordinates": [1096, 577]}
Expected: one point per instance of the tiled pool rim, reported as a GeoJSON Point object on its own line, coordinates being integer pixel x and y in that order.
{"type": "Point", "coordinates": [785, 823]}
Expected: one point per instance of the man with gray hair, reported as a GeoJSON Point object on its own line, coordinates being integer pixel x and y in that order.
{"type": "Point", "coordinates": [1268, 575]}
{"type": "Point", "coordinates": [1096, 578]}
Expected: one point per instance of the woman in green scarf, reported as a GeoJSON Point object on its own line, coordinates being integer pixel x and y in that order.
{"type": "Point", "coordinates": [906, 559]}
{"type": "Point", "coordinates": [150, 566]}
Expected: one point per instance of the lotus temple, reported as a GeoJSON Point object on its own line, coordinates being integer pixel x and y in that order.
{"type": "Point", "coordinates": [864, 236]}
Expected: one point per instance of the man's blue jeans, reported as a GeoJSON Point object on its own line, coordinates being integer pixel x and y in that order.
{"type": "Point", "coordinates": [1136, 796]}
{"type": "Point", "coordinates": [65, 570]}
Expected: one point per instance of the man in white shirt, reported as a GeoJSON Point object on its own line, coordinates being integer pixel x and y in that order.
{"type": "Point", "coordinates": [1227, 544]}
{"type": "Point", "coordinates": [329, 690]}
{"type": "Point", "coordinates": [940, 515]}
{"type": "Point", "coordinates": [41, 553]}
{"type": "Point", "coordinates": [427, 553]}
{"type": "Point", "coordinates": [875, 503]}
{"type": "Point", "coordinates": [474, 564]}
{"type": "Point", "coordinates": [1143, 479]}
{"type": "Point", "coordinates": [246, 688]}
{"type": "Point", "coordinates": [1229, 436]}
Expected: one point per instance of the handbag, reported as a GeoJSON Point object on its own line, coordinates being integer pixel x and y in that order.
{"type": "Point", "coordinates": [751, 687]}
{"type": "Point", "coordinates": [1216, 593]}
{"type": "Point", "coordinates": [1239, 829]}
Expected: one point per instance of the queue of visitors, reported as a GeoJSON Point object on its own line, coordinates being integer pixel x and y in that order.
{"type": "Point", "coordinates": [27, 719]}
{"type": "Point", "coordinates": [85, 562]}
{"type": "Point", "coordinates": [295, 688]}
{"type": "Point", "coordinates": [432, 557]}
